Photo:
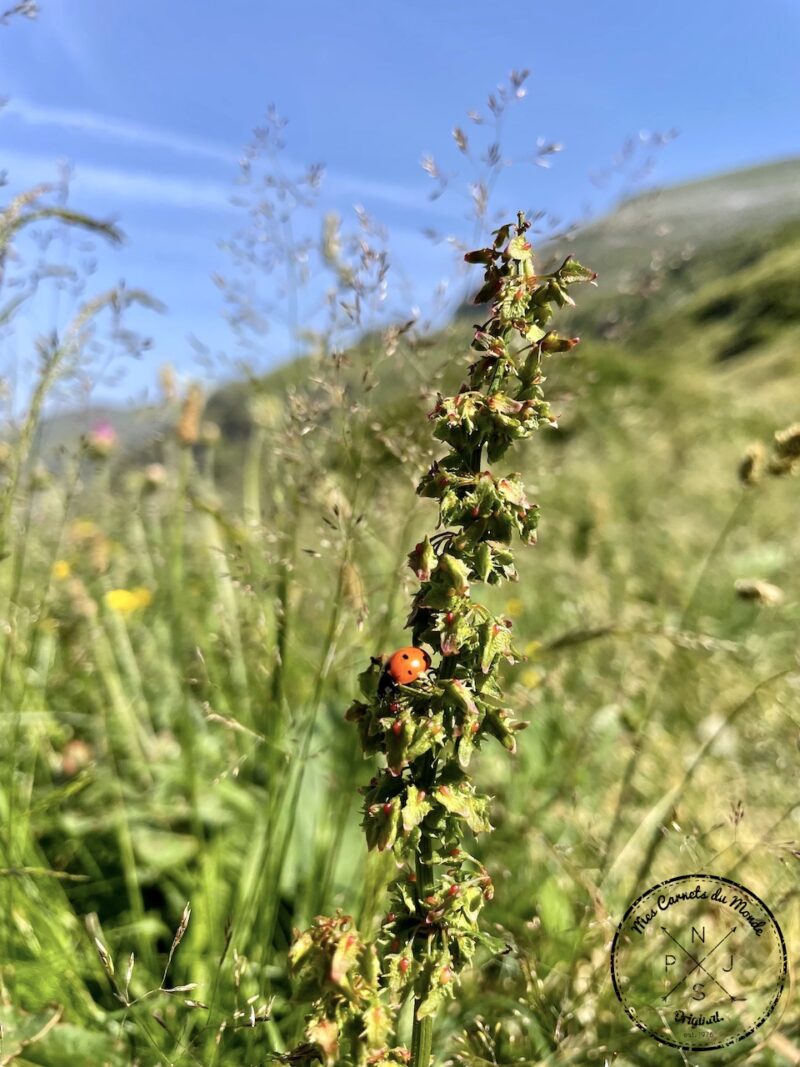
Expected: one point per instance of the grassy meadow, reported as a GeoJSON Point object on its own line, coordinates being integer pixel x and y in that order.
{"type": "Point", "coordinates": [182, 623]}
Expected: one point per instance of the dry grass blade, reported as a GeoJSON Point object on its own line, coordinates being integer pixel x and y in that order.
{"type": "Point", "coordinates": [183, 926]}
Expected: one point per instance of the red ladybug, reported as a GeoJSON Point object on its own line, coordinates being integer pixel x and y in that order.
{"type": "Point", "coordinates": [407, 664]}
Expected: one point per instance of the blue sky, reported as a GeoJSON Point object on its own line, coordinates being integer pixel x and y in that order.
{"type": "Point", "coordinates": [151, 103]}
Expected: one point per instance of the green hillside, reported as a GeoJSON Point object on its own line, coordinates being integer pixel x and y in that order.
{"type": "Point", "coordinates": [694, 215]}
{"type": "Point", "coordinates": [664, 244]}
{"type": "Point", "coordinates": [733, 302]}
{"type": "Point", "coordinates": [663, 304]}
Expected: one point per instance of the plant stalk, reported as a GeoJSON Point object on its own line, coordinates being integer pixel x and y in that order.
{"type": "Point", "coordinates": [422, 1034]}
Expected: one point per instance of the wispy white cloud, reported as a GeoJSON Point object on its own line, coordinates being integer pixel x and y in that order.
{"type": "Point", "coordinates": [112, 128]}
{"type": "Point", "coordinates": [113, 184]}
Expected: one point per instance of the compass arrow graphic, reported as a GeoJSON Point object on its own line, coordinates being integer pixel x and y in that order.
{"type": "Point", "coordinates": [699, 963]}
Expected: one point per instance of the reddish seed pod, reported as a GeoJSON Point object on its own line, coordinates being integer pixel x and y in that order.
{"type": "Point", "coordinates": [431, 899]}
{"type": "Point", "coordinates": [445, 975]}
{"type": "Point", "coordinates": [475, 512]}
{"type": "Point", "coordinates": [455, 851]}
{"type": "Point", "coordinates": [474, 728]}
{"type": "Point", "coordinates": [452, 891]}
{"type": "Point", "coordinates": [390, 918]}
{"type": "Point", "coordinates": [394, 707]}
{"type": "Point", "coordinates": [387, 809]}
{"type": "Point", "coordinates": [397, 728]}
{"type": "Point", "coordinates": [449, 617]}
{"type": "Point", "coordinates": [404, 964]}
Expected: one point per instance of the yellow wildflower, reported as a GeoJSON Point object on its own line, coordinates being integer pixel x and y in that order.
{"type": "Point", "coordinates": [531, 679]}
{"type": "Point", "coordinates": [61, 570]}
{"type": "Point", "coordinates": [126, 601]}
{"type": "Point", "coordinates": [514, 607]}
{"type": "Point", "coordinates": [82, 529]}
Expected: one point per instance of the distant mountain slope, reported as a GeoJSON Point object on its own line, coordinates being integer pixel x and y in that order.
{"type": "Point", "coordinates": [720, 253]}
{"type": "Point", "coordinates": [134, 427]}
{"type": "Point", "coordinates": [692, 215]}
